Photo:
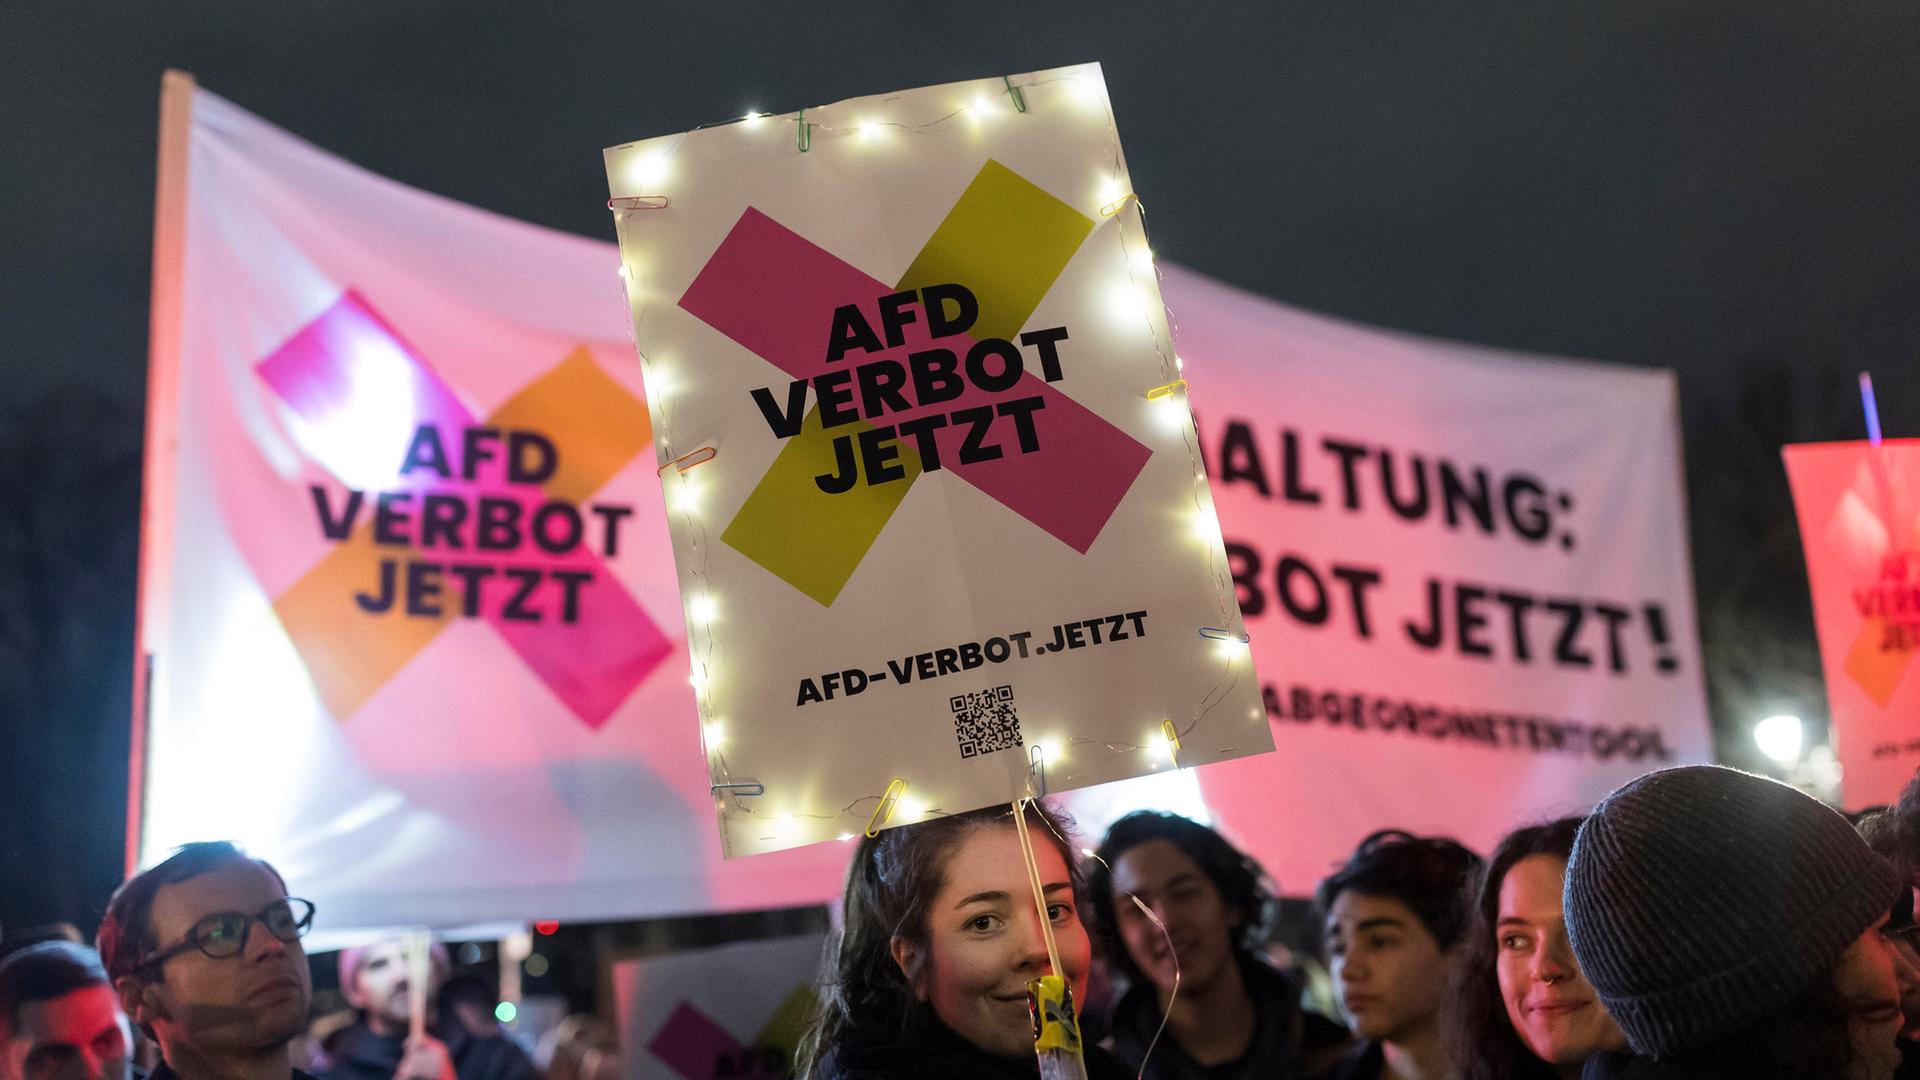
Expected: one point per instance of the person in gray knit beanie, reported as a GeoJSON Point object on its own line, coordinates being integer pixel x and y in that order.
{"type": "Point", "coordinates": [1706, 905]}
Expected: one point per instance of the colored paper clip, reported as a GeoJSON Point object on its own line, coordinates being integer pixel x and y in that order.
{"type": "Point", "coordinates": [1037, 770]}
{"type": "Point", "coordinates": [742, 790]}
{"type": "Point", "coordinates": [686, 461]}
{"type": "Point", "coordinates": [804, 134]}
{"type": "Point", "coordinates": [1019, 99]}
{"type": "Point", "coordinates": [638, 202]}
{"type": "Point", "coordinates": [1217, 634]}
{"type": "Point", "coordinates": [884, 812]}
{"type": "Point", "coordinates": [1118, 204]}
{"type": "Point", "coordinates": [1171, 734]}
{"type": "Point", "coordinates": [1166, 391]}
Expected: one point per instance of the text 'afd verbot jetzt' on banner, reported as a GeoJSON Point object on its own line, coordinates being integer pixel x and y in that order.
{"type": "Point", "coordinates": [1465, 573]}
{"type": "Point", "coordinates": [936, 499]}
{"type": "Point", "coordinates": [1859, 510]}
{"type": "Point", "coordinates": [403, 537]}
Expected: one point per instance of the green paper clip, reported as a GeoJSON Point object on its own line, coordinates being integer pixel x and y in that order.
{"type": "Point", "coordinates": [805, 134]}
{"type": "Point", "coordinates": [1019, 99]}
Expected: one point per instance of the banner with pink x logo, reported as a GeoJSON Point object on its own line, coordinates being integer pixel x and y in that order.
{"type": "Point", "coordinates": [937, 507]}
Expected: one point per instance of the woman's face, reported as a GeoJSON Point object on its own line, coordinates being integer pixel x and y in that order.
{"type": "Point", "coordinates": [1548, 1001]}
{"type": "Point", "coordinates": [984, 940]}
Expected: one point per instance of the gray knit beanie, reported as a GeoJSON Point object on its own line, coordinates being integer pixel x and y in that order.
{"type": "Point", "coordinates": [1702, 900]}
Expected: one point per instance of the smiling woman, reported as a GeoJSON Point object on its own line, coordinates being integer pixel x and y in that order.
{"type": "Point", "coordinates": [1522, 1010]}
{"type": "Point", "coordinates": [928, 975]}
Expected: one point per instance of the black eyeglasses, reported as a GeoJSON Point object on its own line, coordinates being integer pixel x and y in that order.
{"type": "Point", "coordinates": [224, 933]}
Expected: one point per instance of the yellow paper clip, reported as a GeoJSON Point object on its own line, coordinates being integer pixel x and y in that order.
{"type": "Point", "coordinates": [1050, 1006]}
{"type": "Point", "coordinates": [1166, 391]}
{"type": "Point", "coordinates": [884, 812]}
{"type": "Point", "coordinates": [1118, 204]}
{"type": "Point", "coordinates": [1172, 735]}
{"type": "Point", "coordinates": [687, 460]}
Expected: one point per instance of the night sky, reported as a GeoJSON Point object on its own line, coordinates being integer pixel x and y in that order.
{"type": "Point", "coordinates": [1729, 190]}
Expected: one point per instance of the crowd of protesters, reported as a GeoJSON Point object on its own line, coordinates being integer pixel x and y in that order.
{"type": "Point", "coordinates": [1700, 922]}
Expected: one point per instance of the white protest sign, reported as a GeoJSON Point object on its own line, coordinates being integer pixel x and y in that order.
{"type": "Point", "coordinates": [935, 497]}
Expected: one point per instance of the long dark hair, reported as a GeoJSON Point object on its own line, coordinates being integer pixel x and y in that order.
{"type": "Point", "coordinates": [892, 879]}
{"type": "Point", "coordinates": [1242, 884]}
{"type": "Point", "coordinates": [1807, 1037]}
{"type": "Point", "coordinates": [1483, 1038]}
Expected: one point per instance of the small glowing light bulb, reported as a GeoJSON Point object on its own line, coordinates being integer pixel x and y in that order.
{"type": "Point", "coordinates": [704, 608]}
{"type": "Point", "coordinates": [753, 117]}
{"type": "Point", "coordinates": [1206, 525]}
{"type": "Point", "coordinates": [648, 172]}
{"type": "Point", "coordinates": [868, 130]}
{"type": "Point", "coordinates": [699, 678]}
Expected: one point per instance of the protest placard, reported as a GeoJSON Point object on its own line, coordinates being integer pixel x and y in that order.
{"type": "Point", "coordinates": [936, 500]}
{"type": "Point", "coordinates": [1859, 510]}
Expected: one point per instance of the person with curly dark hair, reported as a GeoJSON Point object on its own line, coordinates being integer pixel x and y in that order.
{"type": "Point", "coordinates": [1181, 914]}
{"type": "Point", "coordinates": [1396, 915]}
{"type": "Point", "coordinates": [1522, 1010]}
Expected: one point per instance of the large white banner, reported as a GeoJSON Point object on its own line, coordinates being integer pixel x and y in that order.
{"type": "Point", "coordinates": [406, 586]}
{"type": "Point", "coordinates": [937, 503]}
{"type": "Point", "coordinates": [1465, 574]}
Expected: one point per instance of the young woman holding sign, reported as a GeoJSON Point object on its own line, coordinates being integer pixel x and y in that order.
{"type": "Point", "coordinates": [927, 978]}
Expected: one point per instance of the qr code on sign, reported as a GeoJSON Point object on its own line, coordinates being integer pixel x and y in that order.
{"type": "Point", "coordinates": [985, 721]}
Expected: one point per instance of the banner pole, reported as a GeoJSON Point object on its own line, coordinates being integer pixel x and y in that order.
{"type": "Point", "coordinates": [1897, 529]}
{"type": "Point", "coordinates": [419, 974]}
{"type": "Point", "coordinates": [1056, 1035]}
{"type": "Point", "coordinates": [163, 378]}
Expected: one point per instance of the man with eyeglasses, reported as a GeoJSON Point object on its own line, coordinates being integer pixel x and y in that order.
{"type": "Point", "coordinates": [204, 953]}
{"type": "Point", "coordinates": [59, 1019]}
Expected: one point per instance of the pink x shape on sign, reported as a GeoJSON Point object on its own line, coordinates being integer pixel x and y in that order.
{"type": "Point", "coordinates": [352, 380]}
{"type": "Point", "coordinates": [774, 292]}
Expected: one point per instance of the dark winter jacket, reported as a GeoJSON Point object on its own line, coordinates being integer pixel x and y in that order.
{"type": "Point", "coordinates": [362, 1055]}
{"type": "Point", "coordinates": [923, 1048]}
{"type": "Point", "coordinates": [1289, 1043]}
